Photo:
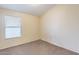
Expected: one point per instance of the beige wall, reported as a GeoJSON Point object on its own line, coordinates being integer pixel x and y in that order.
{"type": "Point", "coordinates": [30, 29]}
{"type": "Point", "coordinates": [60, 26]}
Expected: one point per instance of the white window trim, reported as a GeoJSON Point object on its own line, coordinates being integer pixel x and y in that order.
{"type": "Point", "coordinates": [3, 25]}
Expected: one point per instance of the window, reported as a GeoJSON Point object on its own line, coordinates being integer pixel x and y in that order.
{"type": "Point", "coordinates": [12, 27]}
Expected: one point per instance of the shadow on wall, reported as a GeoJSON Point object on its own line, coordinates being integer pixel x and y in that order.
{"type": "Point", "coordinates": [60, 26]}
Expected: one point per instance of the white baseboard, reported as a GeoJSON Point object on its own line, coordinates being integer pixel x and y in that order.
{"type": "Point", "coordinates": [19, 43]}
{"type": "Point", "coordinates": [54, 43]}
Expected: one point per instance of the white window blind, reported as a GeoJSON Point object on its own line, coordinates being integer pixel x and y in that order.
{"type": "Point", "coordinates": [12, 27]}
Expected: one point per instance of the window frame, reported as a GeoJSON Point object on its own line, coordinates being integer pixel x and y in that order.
{"type": "Point", "coordinates": [3, 18]}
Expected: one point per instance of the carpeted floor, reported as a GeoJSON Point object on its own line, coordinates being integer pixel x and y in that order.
{"type": "Point", "coordinates": [38, 47]}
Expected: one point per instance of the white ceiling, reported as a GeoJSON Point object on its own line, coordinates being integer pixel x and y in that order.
{"type": "Point", "coordinates": [33, 9]}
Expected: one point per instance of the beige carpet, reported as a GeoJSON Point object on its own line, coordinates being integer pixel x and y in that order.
{"type": "Point", "coordinates": [38, 47]}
